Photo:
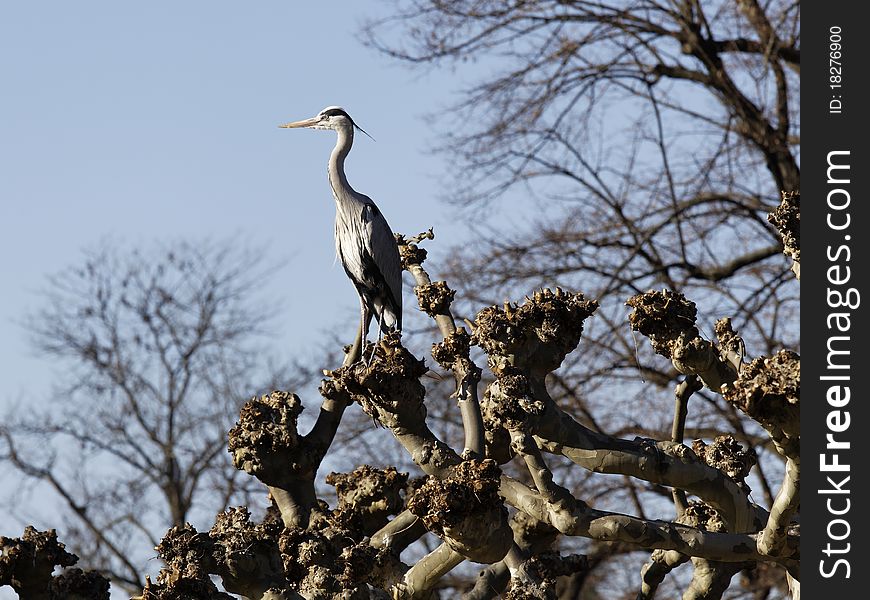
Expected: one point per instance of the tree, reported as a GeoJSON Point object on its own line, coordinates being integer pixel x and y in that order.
{"type": "Point", "coordinates": [305, 549]}
{"type": "Point", "coordinates": [660, 134]}
{"type": "Point", "coordinates": [649, 140]}
{"type": "Point", "coordinates": [158, 349]}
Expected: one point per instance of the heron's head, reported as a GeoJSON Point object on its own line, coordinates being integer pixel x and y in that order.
{"type": "Point", "coordinates": [331, 117]}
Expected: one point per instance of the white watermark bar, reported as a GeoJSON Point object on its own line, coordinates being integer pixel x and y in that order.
{"type": "Point", "coordinates": [834, 252]}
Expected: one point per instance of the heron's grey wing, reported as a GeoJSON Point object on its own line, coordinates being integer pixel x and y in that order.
{"type": "Point", "coordinates": [381, 245]}
{"type": "Point", "coordinates": [350, 247]}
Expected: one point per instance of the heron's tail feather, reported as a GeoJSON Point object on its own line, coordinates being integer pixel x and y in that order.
{"type": "Point", "coordinates": [389, 321]}
{"type": "Point", "coordinates": [388, 318]}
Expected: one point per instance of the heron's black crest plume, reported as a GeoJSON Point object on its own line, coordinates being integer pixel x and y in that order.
{"type": "Point", "coordinates": [364, 131]}
{"type": "Point", "coordinates": [334, 112]}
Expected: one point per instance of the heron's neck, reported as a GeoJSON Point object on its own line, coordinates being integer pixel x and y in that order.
{"type": "Point", "coordinates": [337, 179]}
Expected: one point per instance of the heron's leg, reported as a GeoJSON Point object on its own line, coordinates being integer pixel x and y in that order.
{"type": "Point", "coordinates": [366, 317]}
{"type": "Point", "coordinates": [380, 336]}
{"type": "Point", "coordinates": [381, 326]}
{"type": "Point", "coordinates": [359, 343]}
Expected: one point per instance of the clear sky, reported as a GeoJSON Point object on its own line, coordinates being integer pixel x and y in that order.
{"type": "Point", "coordinates": [158, 120]}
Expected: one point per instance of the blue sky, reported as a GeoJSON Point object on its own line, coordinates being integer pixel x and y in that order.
{"type": "Point", "coordinates": [155, 121]}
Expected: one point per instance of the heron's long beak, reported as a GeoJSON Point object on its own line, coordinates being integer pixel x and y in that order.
{"type": "Point", "coordinates": [305, 123]}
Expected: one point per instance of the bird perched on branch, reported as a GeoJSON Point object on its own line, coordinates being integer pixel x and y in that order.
{"type": "Point", "coordinates": [364, 242]}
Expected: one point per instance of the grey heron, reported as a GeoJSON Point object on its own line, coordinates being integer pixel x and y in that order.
{"type": "Point", "coordinates": [364, 242]}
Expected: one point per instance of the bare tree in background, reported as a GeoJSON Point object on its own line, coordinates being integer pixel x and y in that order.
{"type": "Point", "coordinates": [156, 350]}
{"type": "Point", "coordinates": [659, 135]}
{"type": "Point", "coordinates": [648, 141]}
